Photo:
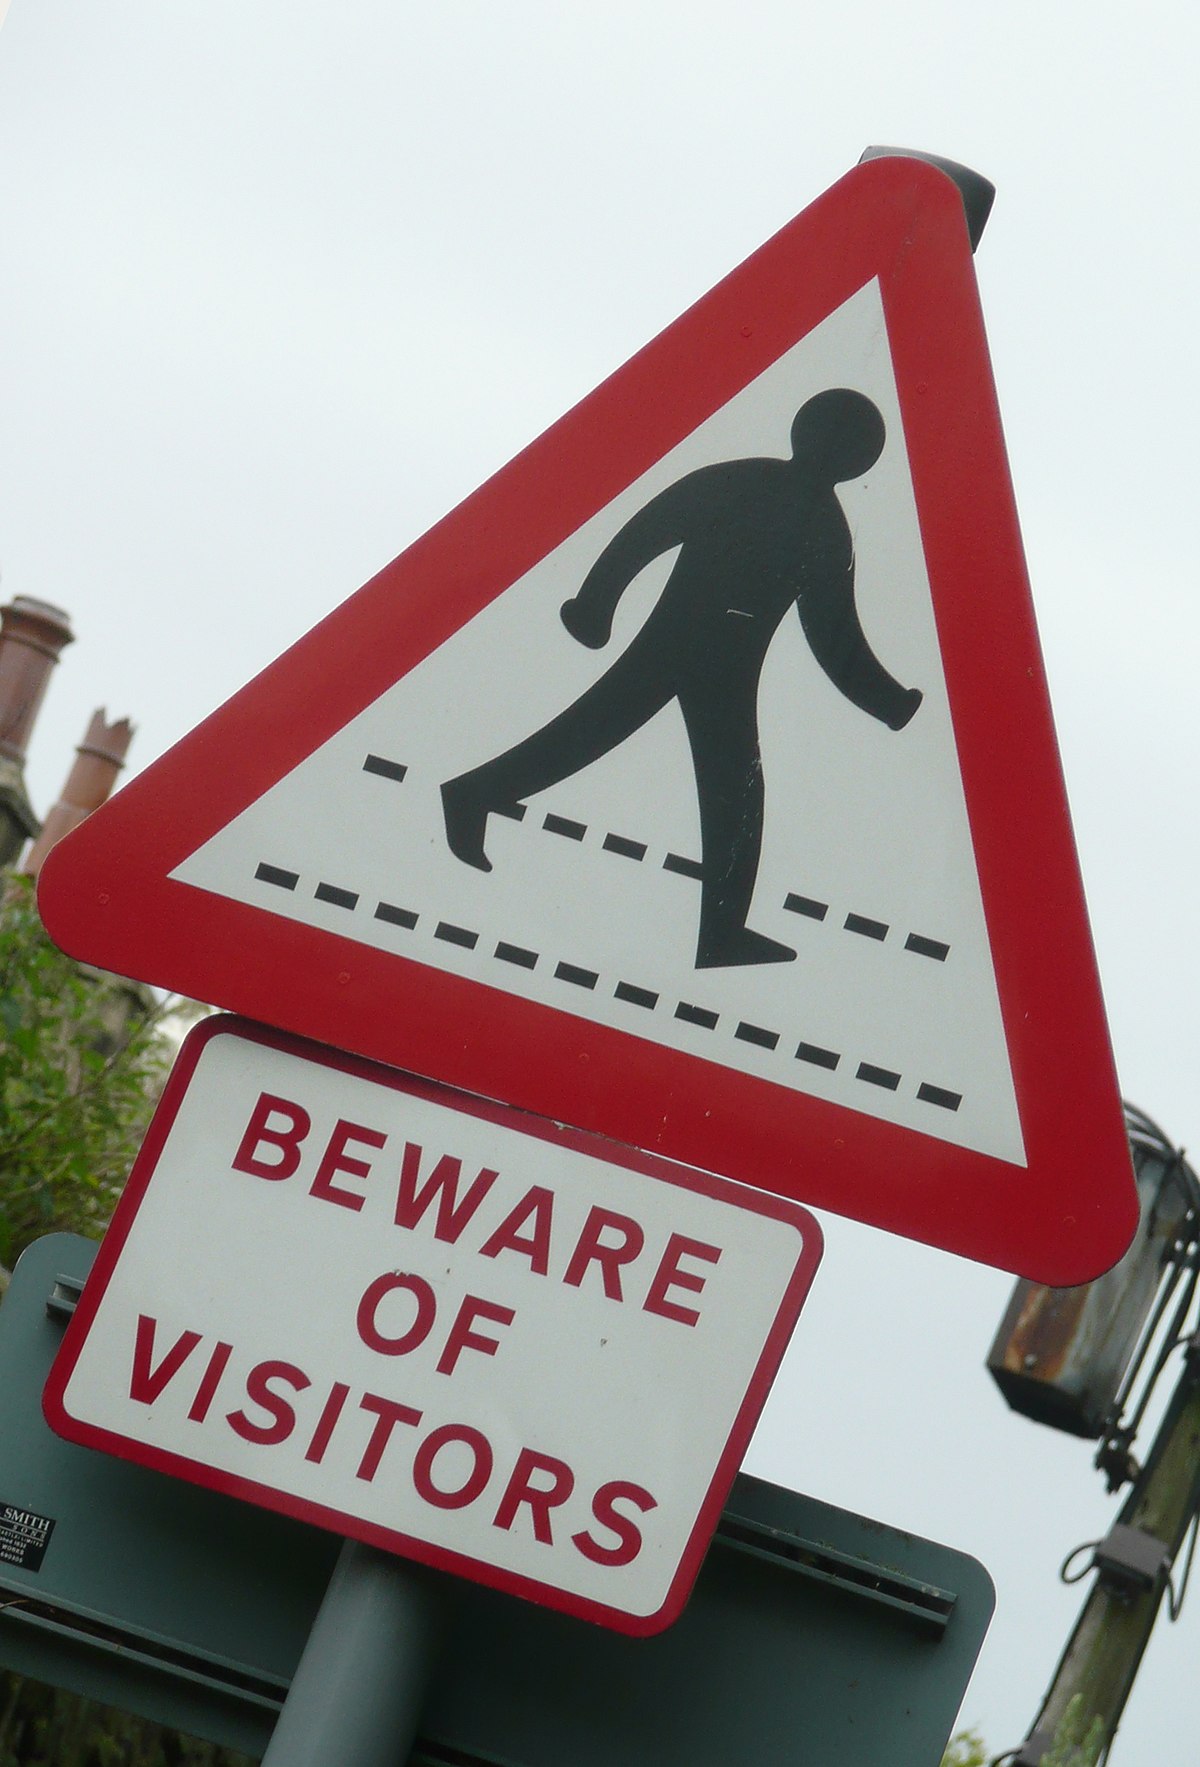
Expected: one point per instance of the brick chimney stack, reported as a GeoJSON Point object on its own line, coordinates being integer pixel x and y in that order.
{"type": "Point", "coordinates": [32, 634]}
{"type": "Point", "coordinates": [98, 760]}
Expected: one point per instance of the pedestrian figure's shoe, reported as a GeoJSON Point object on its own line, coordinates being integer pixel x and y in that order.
{"type": "Point", "coordinates": [739, 945]}
{"type": "Point", "coordinates": [466, 817]}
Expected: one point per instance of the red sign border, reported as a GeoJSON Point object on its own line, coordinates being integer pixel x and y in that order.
{"type": "Point", "coordinates": [108, 898]}
{"type": "Point", "coordinates": [107, 1268]}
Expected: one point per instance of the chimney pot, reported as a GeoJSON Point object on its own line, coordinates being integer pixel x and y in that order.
{"type": "Point", "coordinates": [32, 634]}
{"type": "Point", "coordinates": [98, 760]}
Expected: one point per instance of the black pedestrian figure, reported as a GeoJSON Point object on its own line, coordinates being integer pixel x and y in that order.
{"type": "Point", "coordinates": [755, 536]}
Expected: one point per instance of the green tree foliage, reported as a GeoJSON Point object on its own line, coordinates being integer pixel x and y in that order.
{"type": "Point", "coordinates": [966, 1750]}
{"type": "Point", "coordinates": [1076, 1742]}
{"type": "Point", "coordinates": [79, 1075]}
{"type": "Point", "coordinates": [82, 1060]}
{"type": "Point", "coordinates": [45, 1727]}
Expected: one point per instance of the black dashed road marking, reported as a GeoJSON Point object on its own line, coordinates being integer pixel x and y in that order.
{"type": "Point", "coordinates": [870, 929]}
{"type": "Point", "coordinates": [456, 935]}
{"type": "Point", "coordinates": [571, 972]}
{"type": "Point", "coordinates": [332, 893]}
{"type": "Point", "coordinates": [516, 954]}
{"type": "Point", "coordinates": [806, 905]}
{"type": "Point", "coordinates": [794, 903]}
{"type": "Point", "coordinates": [617, 843]}
{"type": "Point", "coordinates": [874, 1076]}
{"type": "Point", "coordinates": [866, 927]}
{"type": "Point", "coordinates": [820, 1058]}
{"type": "Point", "coordinates": [275, 874]}
{"type": "Point", "coordinates": [574, 831]}
{"type": "Point", "coordinates": [635, 996]}
{"type": "Point", "coordinates": [697, 1015]}
{"type": "Point", "coordinates": [938, 1095]}
{"type": "Point", "coordinates": [384, 768]}
{"type": "Point", "coordinates": [630, 992]}
{"type": "Point", "coordinates": [395, 916]}
{"type": "Point", "coordinates": [927, 947]}
{"type": "Point", "coordinates": [681, 866]}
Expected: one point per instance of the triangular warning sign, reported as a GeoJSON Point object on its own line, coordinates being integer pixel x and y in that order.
{"type": "Point", "coordinates": [693, 782]}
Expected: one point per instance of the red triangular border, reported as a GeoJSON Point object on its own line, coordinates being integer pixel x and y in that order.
{"type": "Point", "coordinates": [107, 896]}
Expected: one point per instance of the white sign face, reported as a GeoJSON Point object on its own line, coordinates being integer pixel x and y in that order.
{"type": "Point", "coordinates": [476, 1338]}
{"type": "Point", "coordinates": [588, 896]}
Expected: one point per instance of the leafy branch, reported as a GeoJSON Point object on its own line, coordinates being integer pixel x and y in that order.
{"type": "Point", "coordinates": [967, 1749]}
{"type": "Point", "coordinates": [82, 1060]}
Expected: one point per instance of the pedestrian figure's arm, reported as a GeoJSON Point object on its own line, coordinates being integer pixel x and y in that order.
{"type": "Point", "coordinates": [588, 616]}
{"type": "Point", "coordinates": [838, 642]}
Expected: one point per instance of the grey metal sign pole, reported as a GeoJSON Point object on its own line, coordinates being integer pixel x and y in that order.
{"type": "Point", "coordinates": [359, 1687]}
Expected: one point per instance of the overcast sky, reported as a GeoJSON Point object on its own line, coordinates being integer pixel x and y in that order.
{"type": "Point", "coordinates": [284, 282]}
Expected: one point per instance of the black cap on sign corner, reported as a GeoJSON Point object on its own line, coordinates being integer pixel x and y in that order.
{"type": "Point", "coordinates": [977, 192]}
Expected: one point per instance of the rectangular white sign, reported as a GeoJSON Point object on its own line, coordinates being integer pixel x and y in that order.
{"type": "Point", "coordinates": [468, 1335]}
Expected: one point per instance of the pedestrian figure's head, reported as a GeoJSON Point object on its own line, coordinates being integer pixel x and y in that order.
{"type": "Point", "coordinates": [839, 435]}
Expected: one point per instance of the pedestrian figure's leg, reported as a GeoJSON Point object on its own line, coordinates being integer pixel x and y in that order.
{"type": "Point", "coordinates": [729, 789]}
{"type": "Point", "coordinates": [625, 698]}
